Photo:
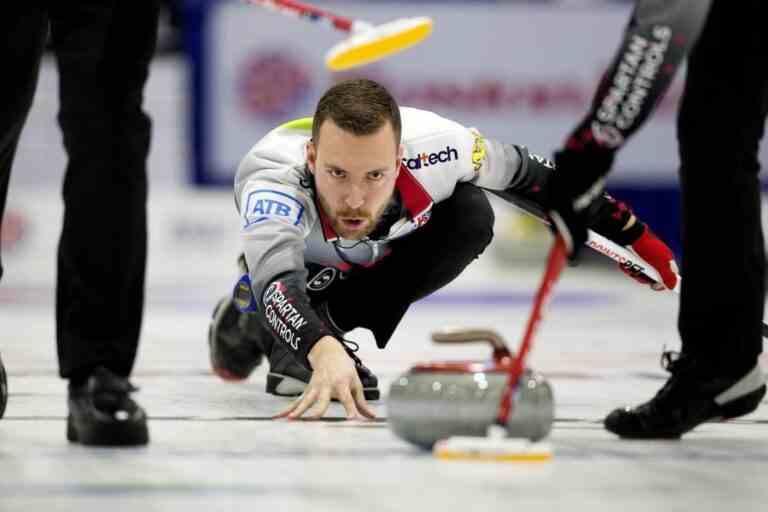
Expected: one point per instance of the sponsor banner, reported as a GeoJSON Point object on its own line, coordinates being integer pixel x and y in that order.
{"type": "Point", "coordinates": [520, 73]}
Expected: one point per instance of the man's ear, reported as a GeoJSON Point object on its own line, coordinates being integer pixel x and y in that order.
{"type": "Point", "coordinates": [311, 156]}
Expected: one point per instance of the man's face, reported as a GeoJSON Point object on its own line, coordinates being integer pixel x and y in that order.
{"type": "Point", "coordinates": [354, 176]}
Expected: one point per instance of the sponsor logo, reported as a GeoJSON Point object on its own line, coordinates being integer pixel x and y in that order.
{"type": "Point", "coordinates": [242, 296]}
{"type": "Point", "coordinates": [542, 161]}
{"type": "Point", "coordinates": [478, 151]}
{"type": "Point", "coordinates": [422, 219]}
{"type": "Point", "coordinates": [273, 85]}
{"type": "Point", "coordinates": [607, 136]}
{"type": "Point", "coordinates": [271, 290]}
{"type": "Point", "coordinates": [633, 269]}
{"type": "Point", "coordinates": [284, 319]}
{"type": "Point", "coordinates": [631, 85]}
{"type": "Point", "coordinates": [589, 195]}
{"type": "Point", "coordinates": [625, 262]}
{"type": "Point", "coordinates": [322, 279]}
{"type": "Point", "coordinates": [266, 204]}
{"type": "Point", "coordinates": [426, 159]}
{"type": "Point", "coordinates": [496, 93]}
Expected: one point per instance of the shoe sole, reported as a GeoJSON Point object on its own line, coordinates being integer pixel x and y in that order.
{"type": "Point", "coordinates": [285, 385]}
{"type": "Point", "coordinates": [113, 434]}
{"type": "Point", "coordinates": [223, 373]}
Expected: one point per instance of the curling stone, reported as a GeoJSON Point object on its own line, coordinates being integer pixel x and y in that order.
{"type": "Point", "coordinates": [434, 401]}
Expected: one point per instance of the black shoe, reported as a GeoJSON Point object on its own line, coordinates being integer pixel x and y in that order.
{"type": "Point", "coordinates": [3, 388]}
{"type": "Point", "coordinates": [288, 377]}
{"type": "Point", "coordinates": [102, 413]}
{"type": "Point", "coordinates": [234, 353]}
{"type": "Point", "coordinates": [369, 381]}
{"type": "Point", "coordinates": [692, 395]}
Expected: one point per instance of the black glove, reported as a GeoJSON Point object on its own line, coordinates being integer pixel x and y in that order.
{"type": "Point", "coordinates": [578, 180]}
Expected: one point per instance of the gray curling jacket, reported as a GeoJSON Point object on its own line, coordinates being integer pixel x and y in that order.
{"type": "Point", "coordinates": [282, 227]}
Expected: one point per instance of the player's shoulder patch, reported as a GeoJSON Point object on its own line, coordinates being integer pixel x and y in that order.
{"type": "Point", "coordinates": [478, 149]}
{"type": "Point", "coordinates": [264, 203]}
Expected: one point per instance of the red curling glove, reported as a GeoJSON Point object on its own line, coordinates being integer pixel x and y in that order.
{"type": "Point", "coordinates": [656, 253]}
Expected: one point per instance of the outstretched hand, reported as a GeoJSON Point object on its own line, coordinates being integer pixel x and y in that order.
{"type": "Point", "coordinates": [334, 376]}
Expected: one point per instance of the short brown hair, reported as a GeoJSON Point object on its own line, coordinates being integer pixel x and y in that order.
{"type": "Point", "coordinates": [358, 106]}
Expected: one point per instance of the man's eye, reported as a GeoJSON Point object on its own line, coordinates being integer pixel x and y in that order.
{"type": "Point", "coordinates": [375, 175]}
{"type": "Point", "coordinates": [337, 173]}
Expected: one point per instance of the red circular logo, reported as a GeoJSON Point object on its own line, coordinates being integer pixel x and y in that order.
{"type": "Point", "coordinates": [273, 85]}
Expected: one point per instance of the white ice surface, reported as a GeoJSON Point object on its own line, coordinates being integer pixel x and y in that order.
{"type": "Point", "coordinates": [214, 448]}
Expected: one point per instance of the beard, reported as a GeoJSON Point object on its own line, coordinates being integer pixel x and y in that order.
{"type": "Point", "coordinates": [368, 220]}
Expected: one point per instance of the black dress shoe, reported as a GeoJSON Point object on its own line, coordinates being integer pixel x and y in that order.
{"type": "Point", "coordinates": [102, 413]}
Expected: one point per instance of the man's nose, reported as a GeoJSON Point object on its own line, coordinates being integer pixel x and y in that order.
{"type": "Point", "coordinates": [355, 197]}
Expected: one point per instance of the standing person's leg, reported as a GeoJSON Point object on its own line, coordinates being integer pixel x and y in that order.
{"type": "Point", "coordinates": [23, 32]}
{"type": "Point", "coordinates": [720, 125]}
{"type": "Point", "coordinates": [721, 122]}
{"type": "Point", "coordinates": [103, 52]}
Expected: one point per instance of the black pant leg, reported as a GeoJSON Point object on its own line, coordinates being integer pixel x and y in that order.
{"type": "Point", "coordinates": [103, 51]}
{"type": "Point", "coordinates": [421, 263]}
{"type": "Point", "coordinates": [23, 33]}
{"type": "Point", "coordinates": [720, 125]}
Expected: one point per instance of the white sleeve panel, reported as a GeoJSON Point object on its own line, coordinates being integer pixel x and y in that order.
{"type": "Point", "coordinates": [439, 160]}
{"type": "Point", "coordinates": [440, 153]}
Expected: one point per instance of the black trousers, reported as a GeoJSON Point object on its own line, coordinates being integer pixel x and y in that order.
{"type": "Point", "coordinates": [720, 124]}
{"type": "Point", "coordinates": [421, 263]}
{"type": "Point", "coordinates": [103, 49]}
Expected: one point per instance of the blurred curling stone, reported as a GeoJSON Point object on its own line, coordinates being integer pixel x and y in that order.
{"type": "Point", "coordinates": [434, 401]}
